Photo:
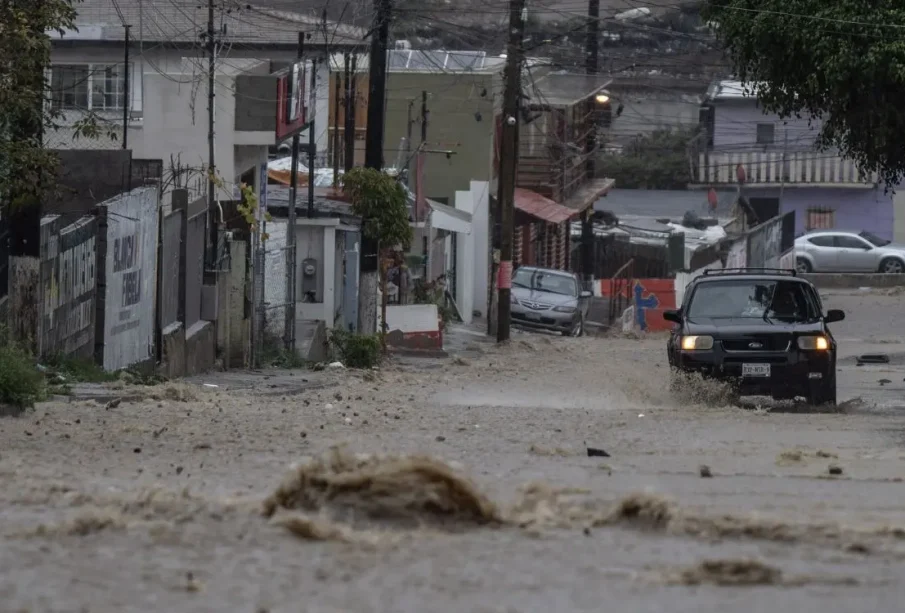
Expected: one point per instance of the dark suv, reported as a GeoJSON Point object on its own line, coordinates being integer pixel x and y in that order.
{"type": "Point", "coordinates": [762, 329]}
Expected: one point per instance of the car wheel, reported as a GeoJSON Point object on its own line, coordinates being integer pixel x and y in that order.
{"type": "Point", "coordinates": [802, 266]}
{"type": "Point", "coordinates": [577, 330]}
{"type": "Point", "coordinates": [892, 266]}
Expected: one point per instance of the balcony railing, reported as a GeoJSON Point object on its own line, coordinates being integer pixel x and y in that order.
{"type": "Point", "coordinates": [777, 168]}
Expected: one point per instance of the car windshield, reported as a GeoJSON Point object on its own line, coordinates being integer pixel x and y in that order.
{"type": "Point", "coordinates": [542, 281]}
{"type": "Point", "coordinates": [873, 239]}
{"type": "Point", "coordinates": [780, 300]}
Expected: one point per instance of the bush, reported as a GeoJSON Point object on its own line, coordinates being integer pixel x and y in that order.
{"type": "Point", "coordinates": [356, 350]}
{"type": "Point", "coordinates": [21, 383]}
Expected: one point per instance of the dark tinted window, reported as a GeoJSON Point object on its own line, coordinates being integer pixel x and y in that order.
{"type": "Point", "coordinates": [873, 239]}
{"type": "Point", "coordinates": [822, 241]}
{"type": "Point", "coordinates": [850, 242]}
{"type": "Point", "coordinates": [759, 299]}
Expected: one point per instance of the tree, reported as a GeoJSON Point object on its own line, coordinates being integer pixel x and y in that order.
{"type": "Point", "coordinates": [840, 61]}
{"type": "Point", "coordinates": [27, 169]}
{"type": "Point", "coordinates": [655, 161]}
{"type": "Point", "coordinates": [381, 202]}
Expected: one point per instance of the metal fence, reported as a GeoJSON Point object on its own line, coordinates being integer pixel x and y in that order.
{"type": "Point", "coordinates": [194, 251]}
{"type": "Point", "coordinates": [620, 291]}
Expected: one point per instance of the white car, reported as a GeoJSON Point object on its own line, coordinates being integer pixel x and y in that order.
{"type": "Point", "coordinates": [836, 251]}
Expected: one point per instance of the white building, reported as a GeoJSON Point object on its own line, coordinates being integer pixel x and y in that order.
{"type": "Point", "coordinates": [167, 97]}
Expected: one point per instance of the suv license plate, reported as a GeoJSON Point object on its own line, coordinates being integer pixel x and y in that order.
{"type": "Point", "coordinates": [755, 370]}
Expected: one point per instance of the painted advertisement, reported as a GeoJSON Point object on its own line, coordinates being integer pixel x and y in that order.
{"type": "Point", "coordinates": [130, 229]}
{"type": "Point", "coordinates": [68, 277]}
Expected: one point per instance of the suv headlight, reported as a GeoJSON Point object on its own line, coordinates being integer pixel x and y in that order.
{"type": "Point", "coordinates": [564, 309]}
{"type": "Point", "coordinates": [813, 343]}
{"type": "Point", "coordinates": [693, 343]}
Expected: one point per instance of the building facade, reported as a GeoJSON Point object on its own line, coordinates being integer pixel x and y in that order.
{"type": "Point", "coordinates": [784, 171]}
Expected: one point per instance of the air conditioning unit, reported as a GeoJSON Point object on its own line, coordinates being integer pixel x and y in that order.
{"type": "Point", "coordinates": [403, 45]}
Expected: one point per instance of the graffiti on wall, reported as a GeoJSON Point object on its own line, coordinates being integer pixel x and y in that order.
{"type": "Point", "coordinates": [130, 267]}
{"type": "Point", "coordinates": [649, 298]}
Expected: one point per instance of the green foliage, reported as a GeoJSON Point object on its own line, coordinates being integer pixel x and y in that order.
{"type": "Point", "coordinates": [655, 161]}
{"type": "Point", "coordinates": [842, 61]}
{"type": "Point", "coordinates": [82, 370]}
{"type": "Point", "coordinates": [21, 383]}
{"type": "Point", "coordinates": [380, 200]}
{"type": "Point", "coordinates": [28, 172]}
{"type": "Point", "coordinates": [356, 350]}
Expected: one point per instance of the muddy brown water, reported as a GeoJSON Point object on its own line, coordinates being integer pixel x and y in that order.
{"type": "Point", "coordinates": [461, 488]}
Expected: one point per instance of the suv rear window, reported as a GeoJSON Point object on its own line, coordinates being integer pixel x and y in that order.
{"type": "Point", "coordinates": [745, 298]}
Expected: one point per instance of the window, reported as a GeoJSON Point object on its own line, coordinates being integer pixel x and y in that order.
{"type": "Point", "coordinates": [851, 242]}
{"type": "Point", "coordinates": [873, 239]}
{"type": "Point", "coordinates": [765, 133]}
{"type": "Point", "coordinates": [781, 300]}
{"type": "Point", "coordinates": [820, 219]}
{"type": "Point", "coordinates": [826, 240]}
{"type": "Point", "coordinates": [98, 87]}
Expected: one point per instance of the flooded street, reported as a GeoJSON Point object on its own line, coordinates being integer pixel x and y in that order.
{"type": "Point", "coordinates": [488, 501]}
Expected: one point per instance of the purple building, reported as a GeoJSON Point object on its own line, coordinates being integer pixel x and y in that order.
{"type": "Point", "coordinates": [785, 171]}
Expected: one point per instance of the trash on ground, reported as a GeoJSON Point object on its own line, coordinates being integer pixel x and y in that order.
{"type": "Point", "coordinates": [594, 452]}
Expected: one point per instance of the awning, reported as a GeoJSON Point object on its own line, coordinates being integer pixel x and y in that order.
{"type": "Point", "coordinates": [444, 217]}
{"type": "Point", "coordinates": [541, 207]}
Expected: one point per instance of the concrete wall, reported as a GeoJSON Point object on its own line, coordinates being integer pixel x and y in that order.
{"type": "Point", "coordinates": [233, 327]}
{"type": "Point", "coordinates": [127, 275]}
{"type": "Point", "coordinates": [453, 101]}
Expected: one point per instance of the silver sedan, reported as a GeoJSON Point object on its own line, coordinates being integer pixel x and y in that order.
{"type": "Point", "coordinates": [547, 299]}
{"type": "Point", "coordinates": [835, 251]}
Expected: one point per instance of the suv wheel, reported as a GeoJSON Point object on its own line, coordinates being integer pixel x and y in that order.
{"type": "Point", "coordinates": [824, 394]}
{"type": "Point", "coordinates": [892, 266]}
{"type": "Point", "coordinates": [802, 266]}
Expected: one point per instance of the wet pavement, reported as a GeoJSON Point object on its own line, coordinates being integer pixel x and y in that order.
{"type": "Point", "coordinates": [155, 505]}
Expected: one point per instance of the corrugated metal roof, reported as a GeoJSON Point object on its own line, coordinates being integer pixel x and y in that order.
{"type": "Point", "coordinates": [728, 90]}
{"type": "Point", "coordinates": [541, 207]}
{"type": "Point", "coordinates": [440, 61]}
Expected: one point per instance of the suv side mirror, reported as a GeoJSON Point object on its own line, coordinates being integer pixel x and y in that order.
{"type": "Point", "coordinates": [586, 294]}
{"type": "Point", "coordinates": [834, 315]}
{"type": "Point", "coordinates": [672, 316]}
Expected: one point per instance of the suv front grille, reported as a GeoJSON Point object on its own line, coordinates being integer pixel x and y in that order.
{"type": "Point", "coordinates": [757, 343]}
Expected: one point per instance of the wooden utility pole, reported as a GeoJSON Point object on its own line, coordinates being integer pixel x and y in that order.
{"type": "Point", "coordinates": [211, 165]}
{"type": "Point", "coordinates": [337, 92]}
{"type": "Point", "coordinates": [377, 81]}
{"type": "Point", "coordinates": [586, 248]}
{"type": "Point", "coordinates": [289, 328]}
{"type": "Point", "coordinates": [509, 164]}
{"type": "Point", "coordinates": [353, 104]}
{"type": "Point", "coordinates": [348, 138]}
{"type": "Point", "coordinates": [127, 94]}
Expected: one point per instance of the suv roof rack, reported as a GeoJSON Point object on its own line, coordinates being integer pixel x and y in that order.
{"type": "Point", "coordinates": [752, 271]}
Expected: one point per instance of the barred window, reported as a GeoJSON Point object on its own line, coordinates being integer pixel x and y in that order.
{"type": "Point", "coordinates": [820, 219]}
{"type": "Point", "coordinates": [96, 87]}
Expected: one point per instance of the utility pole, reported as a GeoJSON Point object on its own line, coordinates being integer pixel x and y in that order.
{"type": "Point", "coordinates": [420, 212]}
{"type": "Point", "coordinates": [353, 109]}
{"type": "Point", "coordinates": [312, 146]}
{"type": "Point", "coordinates": [211, 165]}
{"type": "Point", "coordinates": [337, 90]}
{"type": "Point", "coordinates": [377, 78]}
{"type": "Point", "coordinates": [509, 164]}
{"type": "Point", "coordinates": [586, 249]}
{"type": "Point", "coordinates": [408, 143]}
{"type": "Point", "coordinates": [347, 110]}
{"type": "Point", "coordinates": [289, 323]}
{"type": "Point", "coordinates": [127, 94]}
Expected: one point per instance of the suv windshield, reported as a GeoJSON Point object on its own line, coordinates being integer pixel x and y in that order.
{"type": "Point", "coordinates": [781, 300]}
{"type": "Point", "coordinates": [873, 239]}
{"type": "Point", "coordinates": [541, 281]}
